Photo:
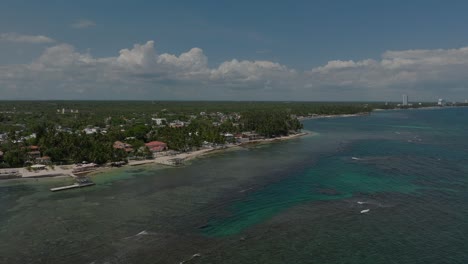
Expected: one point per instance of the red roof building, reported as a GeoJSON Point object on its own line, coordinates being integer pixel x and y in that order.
{"type": "Point", "coordinates": [124, 146]}
{"type": "Point", "coordinates": [156, 146]}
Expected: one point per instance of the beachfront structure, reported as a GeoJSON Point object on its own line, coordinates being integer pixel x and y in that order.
{"type": "Point", "coordinates": [247, 136]}
{"type": "Point", "coordinates": [156, 146]}
{"type": "Point", "coordinates": [441, 102]}
{"type": "Point", "coordinates": [121, 145]}
{"type": "Point", "coordinates": [84, 167]}
{"type": "Point", "coordinates": [34, 152]}
{"type": "Point", "coordinates": [43, 160]}
{"type": "Point", "coordinates": [405, 100]}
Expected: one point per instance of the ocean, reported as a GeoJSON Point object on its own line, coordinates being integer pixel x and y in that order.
{"type": "Point", "coordinates": [295, 201]}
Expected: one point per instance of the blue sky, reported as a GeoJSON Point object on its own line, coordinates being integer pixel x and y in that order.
{"type": "Point", "coordinates": [295, 50]}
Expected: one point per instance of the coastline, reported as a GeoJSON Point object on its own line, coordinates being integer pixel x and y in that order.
{"type": "Point", "coordinates": [168, 160]}
{"type": "Point", "coordinates": [165, 160]}
{"type": "Point", "coordinates": [67, 170]}
{"type": "Point", "coordinates": [332, 116]}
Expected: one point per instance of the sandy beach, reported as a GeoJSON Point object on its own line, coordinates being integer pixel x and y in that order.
{"type": "Point", "coordinates": [167, 160]}
{"type": "Point", "coordinates": [56, 171]}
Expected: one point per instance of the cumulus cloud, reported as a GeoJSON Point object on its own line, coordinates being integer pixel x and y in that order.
{"type": "Point", "coordinates": [423, 73]}
{"type": "Point", "coordinates": [63, 72]}
{"type": "Point", "coordinates": [83, 23]}
{"type": "Point", "coordinates": [19, 38]}
{"type": "Point", "coordinates": [140, 72]}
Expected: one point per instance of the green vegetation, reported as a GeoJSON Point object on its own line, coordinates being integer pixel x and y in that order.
{"type": "Point", "coordinates": [270, 123]}
{"type": "Point", "coordinates": [75, 131]}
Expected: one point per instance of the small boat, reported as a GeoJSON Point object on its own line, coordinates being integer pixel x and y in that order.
{"type": "Point", "coordinates": [365, 211]}
{"type": "Point", "coordinates": [355, 158]}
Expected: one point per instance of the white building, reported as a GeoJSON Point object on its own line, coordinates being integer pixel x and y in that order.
{"type": "Point", "coordinates": [405, 100]}
{"type": "Point", "coordinates": [89, 131]}
{"type": "Point", "coordinates": [159, 121]}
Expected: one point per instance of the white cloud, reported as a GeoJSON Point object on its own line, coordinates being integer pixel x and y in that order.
{"type": "Point", "coordinates": [194, 60]}
{"type": "Point", "coordinates": [422, 73]}
{"type": "Point", "coordinates": [341, 65]}
{"type": "Point", "coordinates": [31, 39]}
{"type": "Point", "coordinates": [83, 23]}
{"type": "Point", "coordinates": [140, 56]}
{"type": "Point", "coordinates": [142, 73]}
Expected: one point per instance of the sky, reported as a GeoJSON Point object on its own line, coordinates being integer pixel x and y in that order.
{"type": "Point", "coordinates": [234, 50]}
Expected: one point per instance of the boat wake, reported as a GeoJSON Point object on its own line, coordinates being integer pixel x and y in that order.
{"type": "Point", "coordinates": [142, 233]}
{"type": "Point", "coordinates": [192, 257]}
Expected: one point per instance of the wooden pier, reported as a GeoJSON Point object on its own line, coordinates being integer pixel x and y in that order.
{"type": "Point", "coordinates": [81, 182]}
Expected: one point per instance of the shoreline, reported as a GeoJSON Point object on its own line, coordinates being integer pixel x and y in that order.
{"type": "Point", "coordinates": [165, 160]}
{"type": "Point", "coordinates": [67, 170]}
{"type": "Point", "coordinates": [332, 116]}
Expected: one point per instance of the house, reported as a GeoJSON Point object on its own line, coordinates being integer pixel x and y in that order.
{"type": "Point", "coordinates": [3, 137]}
{"type": "Point", "coordinates": [156, 146]}
{"type": "Point", "coordinates": [43, 160]}
{"type": "Point", "coordinates": [228, 136]}
{"type": "Point", "coordinates": [34, 152]}
{"type": "Point", "coordinates": [121, 145]}
{"type": "Point", "coordinates": [252, 135]}
{"type": "Point", "coordinates": [177, 123]}
{"type": "Point", "coordinates": [89, 130]}
{"type": "Point", "coordinates": [159, 121]}
{"type": "Point", "coordinates": [241, 138]}
{"type": "Point", "coordinates": [247, 136]}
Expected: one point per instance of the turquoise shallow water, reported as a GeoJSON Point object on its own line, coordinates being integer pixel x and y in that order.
{"type": "Point", "coordinates": [290, 202]}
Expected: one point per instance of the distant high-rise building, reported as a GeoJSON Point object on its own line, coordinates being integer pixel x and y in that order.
{"type": "Point", "coordinates": [405, 99]}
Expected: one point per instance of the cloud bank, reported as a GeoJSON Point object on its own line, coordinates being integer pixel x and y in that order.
{"type": "Point", "coordinates": [140, 72]}
{"type": "Point", "coordinates": [31, 39]}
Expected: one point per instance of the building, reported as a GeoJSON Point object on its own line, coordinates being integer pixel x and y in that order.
{"type": "Point", "coordinates": [177, 123]}
{"type": "Point", "coordinates": [43, 160]}
{"type": "Point", "coordinates": [34, 152]}
{"type": "Point", "coordinates": [252, 135]}
{"type": "Point", "coordinates": [3, 137]}
{"type": "Point", "coordinates": [247, 136]}
{"type": "Point", "coordinates": [156, 146]}
{"type": "Point", "coordinates": [405, 100]}
{"type": "Point", "coordinates": [121, 145]}
{"type": "Point", "coordinates": [90, 131]}
{"type": "Point", "coordinates": [441, 102]}
{"type": "Point", "coordinates": [159, 121]}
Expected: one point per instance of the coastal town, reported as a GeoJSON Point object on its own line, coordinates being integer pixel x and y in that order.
{"type": "Point", "coordinates": [49, 139]}
{"type": "Point", "coordinates": [44, 148]}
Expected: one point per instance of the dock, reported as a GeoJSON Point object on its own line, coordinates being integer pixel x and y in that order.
{"type": "Point", "coordinates": [73, 186]}
{"type": "Point", "coordinates": [81, 182]}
